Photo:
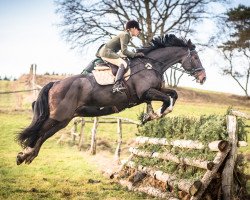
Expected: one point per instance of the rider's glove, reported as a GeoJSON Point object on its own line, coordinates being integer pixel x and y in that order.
{"type": "Point", "coordinates": [139, 54]}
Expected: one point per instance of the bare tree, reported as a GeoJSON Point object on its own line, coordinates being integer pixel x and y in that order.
{"type": "Point", "coordinates": [173, 76]}
{"type": "Point", "coordinates": [235, 48]}
{"type": "Point", "coordinates": [240, 74]}
{"type": "Point", "coordinates": [86, 22]}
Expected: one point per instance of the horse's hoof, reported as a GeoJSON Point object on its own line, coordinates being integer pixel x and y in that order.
{"type": "Point", "coordinates": [28, 162]}
{"type": "Point", "coordinates": [30, 158]}
{"type": "Point", "coordinates": [19, 159]}
{"type": "Point", "coordinates": [145, 118]}
{"type": "Point", "coordinates": [154, 116]}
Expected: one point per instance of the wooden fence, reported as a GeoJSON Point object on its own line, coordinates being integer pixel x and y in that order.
{"type": "Point", "coordinates": [78, 136]}
{"type": "Point", "coordinates": [195, 189]}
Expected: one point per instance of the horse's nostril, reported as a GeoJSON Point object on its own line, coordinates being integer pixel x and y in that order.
{"type": "Point", "coordinates": [203, 80]}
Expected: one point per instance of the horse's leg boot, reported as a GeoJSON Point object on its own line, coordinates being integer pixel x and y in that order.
{"type": "Point", "coordinates": [118, 87]}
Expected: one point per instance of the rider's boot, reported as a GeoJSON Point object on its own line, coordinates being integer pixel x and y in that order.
{"type": "Point", "coordinates": [118, 87]}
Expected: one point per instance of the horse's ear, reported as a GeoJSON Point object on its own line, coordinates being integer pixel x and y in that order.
{"type": "Point", "coordinates": [190, 45]}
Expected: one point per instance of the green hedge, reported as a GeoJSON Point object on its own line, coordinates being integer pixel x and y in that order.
{"type": "Point", "coordinates": [206, 128]}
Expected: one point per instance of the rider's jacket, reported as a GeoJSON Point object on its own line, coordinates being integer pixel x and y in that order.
{"type": "Point", "coordinates": [117, 43]}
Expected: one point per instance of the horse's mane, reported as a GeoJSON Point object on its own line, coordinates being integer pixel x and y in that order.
{"type": "Point", "coordinates": [168, 40]}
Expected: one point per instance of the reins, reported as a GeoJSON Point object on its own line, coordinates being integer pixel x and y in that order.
{"type": "Point", "coordinates": [190, 73]}
{"type": "Point", "coordinates": [176, 68]}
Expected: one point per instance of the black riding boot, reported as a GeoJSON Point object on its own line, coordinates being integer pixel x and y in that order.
{"type": "Point", "coordinates": [118, 87]}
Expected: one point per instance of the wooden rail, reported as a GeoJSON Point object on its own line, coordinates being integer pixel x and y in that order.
{"type": "Point", "coordinates": [219, 145]}
{"type": "Point", "coordinates": [204, 164]}
{"type": "Point", "coordinates": [240, 114]}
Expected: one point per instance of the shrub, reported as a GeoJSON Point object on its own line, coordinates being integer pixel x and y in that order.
{"type": "Point", "coordinates": [206, 128]}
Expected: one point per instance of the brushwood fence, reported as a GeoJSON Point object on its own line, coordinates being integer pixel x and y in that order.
{"type": "Point", "coordinates": [171, 173]}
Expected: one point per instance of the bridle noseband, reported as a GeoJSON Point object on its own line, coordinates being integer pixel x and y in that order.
{"type": "Point", "coordinates": [193, 71]}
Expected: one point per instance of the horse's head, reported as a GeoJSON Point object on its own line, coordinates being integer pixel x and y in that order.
{"type": "Point", "coordinates": [168, 50]}
{"type": "Point", "coordinates": [191, 63]}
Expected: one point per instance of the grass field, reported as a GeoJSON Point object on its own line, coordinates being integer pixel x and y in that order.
{"type": "Point", "coordinates": [61, 171]}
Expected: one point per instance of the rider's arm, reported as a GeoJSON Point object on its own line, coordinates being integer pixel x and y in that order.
{"type": "Point", "coordinates": [124, 39]}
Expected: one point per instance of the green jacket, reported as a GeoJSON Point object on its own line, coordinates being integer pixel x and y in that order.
{"type": "Point", "coordinates": [119, 42]}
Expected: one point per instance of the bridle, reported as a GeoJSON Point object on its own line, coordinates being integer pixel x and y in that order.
{"type": "Point", "coordinates": [191, 72]}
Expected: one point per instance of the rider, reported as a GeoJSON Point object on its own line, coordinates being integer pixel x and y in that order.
{"type": "Point", "coordinates": [108, 52]}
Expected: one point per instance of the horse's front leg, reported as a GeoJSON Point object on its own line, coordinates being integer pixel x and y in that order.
{"type": "Point", "coordinates": [150, 114]}
{"type": "Point", "coordinates": [156, 95]}
{"type": "Point", "coordinates": [167, 108]}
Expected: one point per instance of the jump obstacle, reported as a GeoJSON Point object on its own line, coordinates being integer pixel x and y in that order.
{"type": "Point", "coordinates": [172, 187]}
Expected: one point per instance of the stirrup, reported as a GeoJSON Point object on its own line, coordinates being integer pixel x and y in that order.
{"type": "Point", "coordinates": [118, 88]}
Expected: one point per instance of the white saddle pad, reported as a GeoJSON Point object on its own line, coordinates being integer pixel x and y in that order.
{"type": "Point", "coordinates": [105, 76]}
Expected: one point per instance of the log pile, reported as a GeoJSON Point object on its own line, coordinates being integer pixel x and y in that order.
{"type": "Point", "coordinates": [215, 183]}
{"type": "Point", "coordinates": [186, 189]}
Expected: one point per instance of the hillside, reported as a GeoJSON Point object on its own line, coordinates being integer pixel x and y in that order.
{"type": "Point", "coordinates": [204, 96]}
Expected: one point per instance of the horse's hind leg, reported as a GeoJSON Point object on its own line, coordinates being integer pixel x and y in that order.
{"type": "Point", "coordinates": [49, 128]}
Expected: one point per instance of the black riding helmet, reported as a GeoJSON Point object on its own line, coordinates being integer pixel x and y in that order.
{"type": "Point", "coordinates": [132, 24]}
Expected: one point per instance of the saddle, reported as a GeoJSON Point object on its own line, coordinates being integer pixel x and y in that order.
{"type": "Point", "coordinates": [104, 72]}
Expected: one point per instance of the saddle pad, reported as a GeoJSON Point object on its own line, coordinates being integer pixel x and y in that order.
{"type": "Point", "coordinates": [105, 77]}
{"type": "Point", "coordinates": [101, 68]}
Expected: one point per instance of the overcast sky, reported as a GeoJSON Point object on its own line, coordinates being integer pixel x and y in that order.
{"type": "Point", "coordinates": [28, 34]}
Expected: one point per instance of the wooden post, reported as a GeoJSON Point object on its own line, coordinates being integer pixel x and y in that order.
{"type": "Point", "coordinates": [33, 71]}
{"type": "Point", "coordinates": [227, 174]}
{"type": "Point", "coordinates": [93, 137]}
{"type": "Point", "coordinates": [74, 131]}
{"type": "Point", "coordinates": [119, 142]}
{"type": "Point", "coordinates": [81, 140]}
{"type": "Point", "coordinates": [209, 175]}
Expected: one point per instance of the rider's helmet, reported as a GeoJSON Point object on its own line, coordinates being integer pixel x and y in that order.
{"type": "Point", "coordinates": [132, 24]}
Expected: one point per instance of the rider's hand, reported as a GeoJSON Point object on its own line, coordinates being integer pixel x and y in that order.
{"type": "Point", "coordinates": [139, 54]}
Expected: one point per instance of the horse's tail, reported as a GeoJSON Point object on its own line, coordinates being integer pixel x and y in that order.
{"type": "Point", "coordinates": [40, 107]}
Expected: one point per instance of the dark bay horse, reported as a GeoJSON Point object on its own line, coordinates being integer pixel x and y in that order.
{"type": "Point", "coordinates": [59, 102]}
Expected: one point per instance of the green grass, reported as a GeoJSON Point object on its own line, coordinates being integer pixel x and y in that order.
{"type": "Point", "coordinates": [59, 172]}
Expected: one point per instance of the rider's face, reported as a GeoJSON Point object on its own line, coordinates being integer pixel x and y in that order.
{"type": "Point", "coordinates": [134, 31]}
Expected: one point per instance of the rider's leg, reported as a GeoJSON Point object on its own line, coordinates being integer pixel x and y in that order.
{"type": "Point", "coordinates": [122, 65]}
{"type": "Point", "coordinates": [118, 87]}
